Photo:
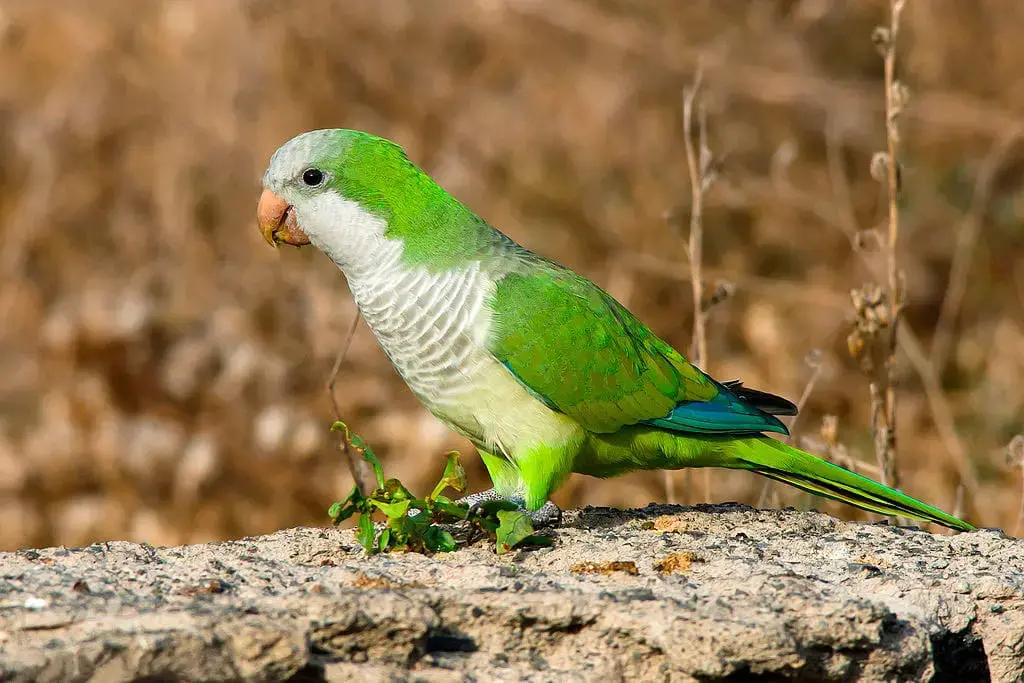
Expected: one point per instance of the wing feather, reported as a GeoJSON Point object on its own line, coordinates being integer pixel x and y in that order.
{"type": "Point", "coordinates": [582, 353]}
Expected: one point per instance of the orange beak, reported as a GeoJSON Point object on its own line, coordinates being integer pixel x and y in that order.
{"type": "Point", "coordinates": [277, 221]}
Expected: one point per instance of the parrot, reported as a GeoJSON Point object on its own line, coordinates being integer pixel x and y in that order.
{"type": "Point", "coordinates": [542, 370]}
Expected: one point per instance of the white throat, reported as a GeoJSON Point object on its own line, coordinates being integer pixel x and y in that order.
{"type": "Point", "coordinates": [350, 235]}
{"type": "Point", "coordinates": [427, 322]}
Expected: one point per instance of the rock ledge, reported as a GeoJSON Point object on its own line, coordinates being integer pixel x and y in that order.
{"type": "Point", "coordinates": [666, 593]}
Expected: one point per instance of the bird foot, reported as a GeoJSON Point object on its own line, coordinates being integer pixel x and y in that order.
{"type": "Point", "coordinates": [549, 515]}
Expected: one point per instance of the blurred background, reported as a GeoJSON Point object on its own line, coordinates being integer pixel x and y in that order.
{"type": "Point", "coordinates": [162, 370]}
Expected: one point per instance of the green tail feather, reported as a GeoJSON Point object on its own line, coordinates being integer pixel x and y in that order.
{"type": "Point", "coordinates": [780, 461]}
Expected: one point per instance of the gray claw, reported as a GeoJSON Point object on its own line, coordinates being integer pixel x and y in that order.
{"type": "Point", "coordinates": [550, 515]}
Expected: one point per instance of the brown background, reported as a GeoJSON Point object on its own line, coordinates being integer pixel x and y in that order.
{"type": "Point", "coordinates": [162, 369]}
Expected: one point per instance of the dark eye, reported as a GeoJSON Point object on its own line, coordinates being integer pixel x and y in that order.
{"type": "Point", "coordinates": [312, 177]}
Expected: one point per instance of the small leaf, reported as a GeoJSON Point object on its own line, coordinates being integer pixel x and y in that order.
{"type": "Point", "coordinates": [384, 539]}
{"type": "Point", "coordinates": [396, 490]}
{"type": "Point", "coordinates": [446, 507]}
{"type": "Point", "coordinates": [343, 509]}
{"type": "Point", "coordinates": [392, 510]}
{"type": "Point", "coordinates": [365, 535]}
{"type": "Point", "coordinates": [454, 475]}
{"type": "Point", "coordinates": [420, 510]}
{"type": "Point", "coordinates": [354, 496]}
{"type": "Point", "coordinates": [408, 531]}
{"type": "Point", "coordinates": [514, 527]}
{"type": "Point", "coordinates": [353, 440]}
{"type": "Point", "coordinates": [485, 515]}
{"type": "Point", "coordinates": [438, 540]}
{"type": "Point", "coordinates": [539, 540]}
{"type": "Point", "coordinates": [487, 524]}
{"type": "Point", "coordinates": [490, 508]}
{"type": "Point", "coordinates": [339, 514]}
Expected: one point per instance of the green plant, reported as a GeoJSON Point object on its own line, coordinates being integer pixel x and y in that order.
{"type": "Point", "coordinates": [417, 524]}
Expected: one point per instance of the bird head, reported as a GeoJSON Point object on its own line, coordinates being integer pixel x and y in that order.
{"type": "Point", "coordinates": [302, 173]}
{"type": "Point", "coordinates": [359, 199]}
{"type": "Point", "coordinates": [331, 188]}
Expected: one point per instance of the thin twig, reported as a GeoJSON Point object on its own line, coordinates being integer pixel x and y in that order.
{"type": "Point", "coordinates": [695, 163]}
{"type": "Point", "coordinates": [813, 361]}
{"type": "Point", "coordinates": [336, 368]}
{"type": "Point", "coordinates": [885, 439]}
{"type": "Point", "coordinates": [967, 239]}
{"type": "Point", "coordinates": [880, 430]}
{"type": "Point", "coordinates": [362, 473]}
{"type": "Point", "coordinates": [698, 348]}
{"type": "Point", "coordinates": [844, 200]}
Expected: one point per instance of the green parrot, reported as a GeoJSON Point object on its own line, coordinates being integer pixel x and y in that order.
{"type": "Point", "coordinates": [540, 368]}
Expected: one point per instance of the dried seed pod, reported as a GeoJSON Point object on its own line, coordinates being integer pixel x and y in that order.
{"type": "Point", "coordinates": [722, 292]}
{"type": "Point", "coordinates": [880, 167]}
{"type": "Point", "coordinates": [855, 344]}
{"type": "Point", "coordinates": [900, 97]}
{"type": "Point", "coordinates": [1015, 452]}
{"type": "Point", "coordinates": [882, 39]}
{"type": "Point", "coordinates": [872, 315]}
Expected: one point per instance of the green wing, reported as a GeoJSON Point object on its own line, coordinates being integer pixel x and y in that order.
{"type": "Point", "coordinates": [584, 354]}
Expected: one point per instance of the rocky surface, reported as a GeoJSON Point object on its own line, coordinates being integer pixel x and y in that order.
{"type": "Point", "coordinates": [711, 593]}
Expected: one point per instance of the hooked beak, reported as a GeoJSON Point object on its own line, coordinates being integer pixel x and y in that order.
{"type": "Point", "coordinates": [277, 221]}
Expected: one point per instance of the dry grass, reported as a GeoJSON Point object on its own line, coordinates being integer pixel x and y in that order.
{"type": "Point", "coordinates": [163, 370]}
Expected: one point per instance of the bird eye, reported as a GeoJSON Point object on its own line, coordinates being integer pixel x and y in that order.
{"type": "Point", "coordinates": [312, 177]}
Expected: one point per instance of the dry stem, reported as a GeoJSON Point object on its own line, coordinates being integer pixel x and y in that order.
{"type": "Point", "coordinates": [360, 470]}
{"type": "Point", "coordinates": [883, 397]}
{"type": "Point", "coordinates": [695, 161]}
{"type": "Point", "coordinates": [698, 349]}
{"type": "Point", "coordinates": [967, 239]}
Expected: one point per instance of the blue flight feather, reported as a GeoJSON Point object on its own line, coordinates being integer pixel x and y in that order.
{"type": "Point", "coordinates": [724, 414]}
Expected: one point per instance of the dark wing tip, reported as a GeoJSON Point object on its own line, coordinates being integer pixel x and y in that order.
{"type": "Point", "coordinates": [762, 400]}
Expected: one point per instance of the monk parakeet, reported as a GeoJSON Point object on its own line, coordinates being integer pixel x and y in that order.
{"type": "Point", "coordinates": [540, 368]}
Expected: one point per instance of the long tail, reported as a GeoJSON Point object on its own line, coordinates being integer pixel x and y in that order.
{"type": "Point", "coordinates": [783, 462]}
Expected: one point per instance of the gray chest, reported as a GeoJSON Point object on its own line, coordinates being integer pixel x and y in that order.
{"type": "Point", "coordinates": [430, 325]}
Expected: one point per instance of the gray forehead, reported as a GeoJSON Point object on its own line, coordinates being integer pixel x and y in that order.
{"type": "Point", "coordinates": [294, 156]}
